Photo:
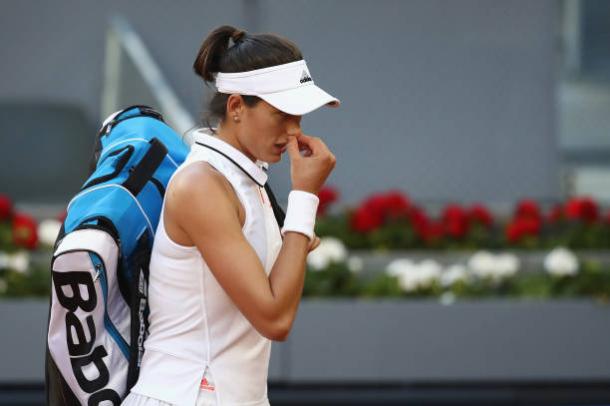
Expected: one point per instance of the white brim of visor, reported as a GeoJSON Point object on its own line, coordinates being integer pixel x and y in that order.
{"type": "Point", "coordinates": [301, 100]}
{"type": "Point", "coordinates": [288, 87]}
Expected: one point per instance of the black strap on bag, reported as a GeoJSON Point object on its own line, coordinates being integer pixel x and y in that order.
{"type": "Point", "coordinates": [139, 306]}
{"type": "Point", "coordinates": [278, 212]}
{"type": "Point", "coordinates": [143, 171]}
{"type": "Point", "coordinates": [125, 154]}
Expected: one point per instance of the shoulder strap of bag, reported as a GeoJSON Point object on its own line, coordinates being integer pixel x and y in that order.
{"type": "Point", "coordinates": [278, 211]}
{"type": "Point", "coordinates": [144, 170]}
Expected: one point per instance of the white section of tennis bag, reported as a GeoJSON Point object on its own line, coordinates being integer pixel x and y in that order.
{"type": "Point", "coordinates": [104, 245]}
{"type": "Point", "coordinates": [72, 255]}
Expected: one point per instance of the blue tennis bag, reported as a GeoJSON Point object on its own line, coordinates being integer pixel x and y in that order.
{"type": "Point", "coordinates": [98, 307]}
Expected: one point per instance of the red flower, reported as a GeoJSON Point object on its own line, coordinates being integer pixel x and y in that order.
{"type": "Point", "coordinates": [521, 227]}
{"type": "Point", "coordinates": [455, 221]}
{"type": "Point", "coordinates": [607, 218]}
{"type": "Point", "coordinates": [556, 214]}
{"type": "Point", "coordinates": [365, 220]}
{"type": "Point", "coordinates": [396, 205]}
{"type": "Point", "coordinates": [479, 214]}
{"type": "Point", "coordinates": [380, 208]}
{"type": "Point", "coordinates": [527, 208]}
{"type": "Point", "coordinates": [420, 222]}
{"type": "Point", "coordinates": [584, 209]}
{"type": "Point", "coordinates": [418, 218]}
{"type": "Point", "coordinates": [24, 231]}
{"type": "Point", "coordinates": [433, 231]}
{"type": "Point", "coordinates": [375, 204]}
{"type": "Point", "coordinates": [6, 207]}
{"type": "Point", "coordinates": [327, 196]}
{"type": "Point", "coordinates": [388, 206]}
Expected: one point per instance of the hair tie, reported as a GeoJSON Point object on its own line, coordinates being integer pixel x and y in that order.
{"type": "Point", "coordinates": [237, 36]}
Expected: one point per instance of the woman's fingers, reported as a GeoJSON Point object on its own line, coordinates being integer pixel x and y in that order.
{"type": "Point", "coordinates": [293, 148]}
{"type": "Point", "coordinates": [307, 142]}
{"type": "Point", "coordinates": [314, 243]}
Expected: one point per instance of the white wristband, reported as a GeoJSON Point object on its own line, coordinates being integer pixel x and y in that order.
{"type": "Point", "coordinates": [301, 213]}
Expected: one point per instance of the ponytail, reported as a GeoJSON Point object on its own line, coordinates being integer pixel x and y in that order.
{"type": "Point", "coordinates": [248, 52]}
{"type": "Point", "coordinates": [213, 48]}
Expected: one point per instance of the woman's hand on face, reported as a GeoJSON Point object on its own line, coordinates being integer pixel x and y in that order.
{"type": "Point", "coordinates": [310, 162]}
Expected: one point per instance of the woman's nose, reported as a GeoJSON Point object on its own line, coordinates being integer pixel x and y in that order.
{"type": "Point", "coordinates": [294, 129]}
{"type": "Point", "coordinates": [294, 132]}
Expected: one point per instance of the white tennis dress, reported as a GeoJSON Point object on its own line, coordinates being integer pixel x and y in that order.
{"type": "Point", "coordinates": [201, 350]}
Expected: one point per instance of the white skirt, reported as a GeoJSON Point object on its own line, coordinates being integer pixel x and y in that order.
{"type": "Point", "coordinates": [204, 398]}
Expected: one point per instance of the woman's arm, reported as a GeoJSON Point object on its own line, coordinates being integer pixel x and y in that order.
{"type": "Point", "coordinates": [198, 202]}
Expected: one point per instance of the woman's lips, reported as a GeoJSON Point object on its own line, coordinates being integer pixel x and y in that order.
{"type": "Point", "coordinates": [281, 147]}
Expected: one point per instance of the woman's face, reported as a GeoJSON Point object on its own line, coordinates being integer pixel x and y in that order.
{"type": "Point", "coordinates": [264, 131]}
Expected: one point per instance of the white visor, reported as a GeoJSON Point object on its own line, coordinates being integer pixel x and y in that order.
{"type": "Point", "coordinates": [288, 87]}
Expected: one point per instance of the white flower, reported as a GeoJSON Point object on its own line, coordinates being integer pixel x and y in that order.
{"type": "Point", "coordinates": [355, 264]}
{"type": "Point", "coordinates": [453, 274]}
{"type": "Point", "coordinates": [335, 248]}
{"type": "Point", "coordinates": [3, 260]}
{"type": "Point", "coordinates": [19, 261]}
{"type": "Point", "coordinates": [48, 230]}
{"type": "Point", "coordinates": [447, 298]}
{"type": "Point", "coordinates": [481, 264]}
{"type": "Point", "coordinates": [486, 265]}
{"type": "Point", "coordinates": [429, 272]}
{"type": "Point", "coordinates": [507, 265]}
{"type": "Point", "coordinates": [317, 260]}
{"type": "Point", "coordinates": [561, 262]}
{"type": "Point", "coordinates": [3, 286]}
{"type": "Point", "coordinates": [330, 250]}
{"type": "Point", "coordinates": [413, 276]}
{"type": "Point", "coordinates": [398, 266]}
{"type": "Point", "coordinates": [409, 279]}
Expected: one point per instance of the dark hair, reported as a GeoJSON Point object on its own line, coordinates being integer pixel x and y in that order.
{"type": "Point", "coordinates": [249, 52]}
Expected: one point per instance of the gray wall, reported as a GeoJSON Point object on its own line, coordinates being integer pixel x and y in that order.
{"type": "Point", "coordinates": [444, 100]}
{"type": "Point", "coordinates": [397, 341]}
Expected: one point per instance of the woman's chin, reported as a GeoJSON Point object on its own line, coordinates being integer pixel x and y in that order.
{"type": "Point", "coordinates": [275, 158]}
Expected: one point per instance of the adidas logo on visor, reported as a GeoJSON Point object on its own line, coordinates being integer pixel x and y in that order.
{"type": "Point", "coordinates": [305, 77]}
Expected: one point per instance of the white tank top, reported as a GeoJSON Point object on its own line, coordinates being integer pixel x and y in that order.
{"type": "Point", "coordinates": [194, 324]}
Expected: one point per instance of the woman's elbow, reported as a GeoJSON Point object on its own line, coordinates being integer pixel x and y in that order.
{"type": "Point", "coordinates": [278, 329]}
{"type": "Point", "coordinates": [278, 334]}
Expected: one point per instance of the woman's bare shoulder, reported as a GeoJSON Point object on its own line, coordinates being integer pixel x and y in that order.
{"type": "Point", "coordinates": [195, 172]}
{"type": "Point", "coordinates": [199, 187]}
{"type": "Point", "coordinates": [196, 178]}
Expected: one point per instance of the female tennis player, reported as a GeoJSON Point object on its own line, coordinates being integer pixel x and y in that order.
{"type": "Point", "coordinates": [225, 281]}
